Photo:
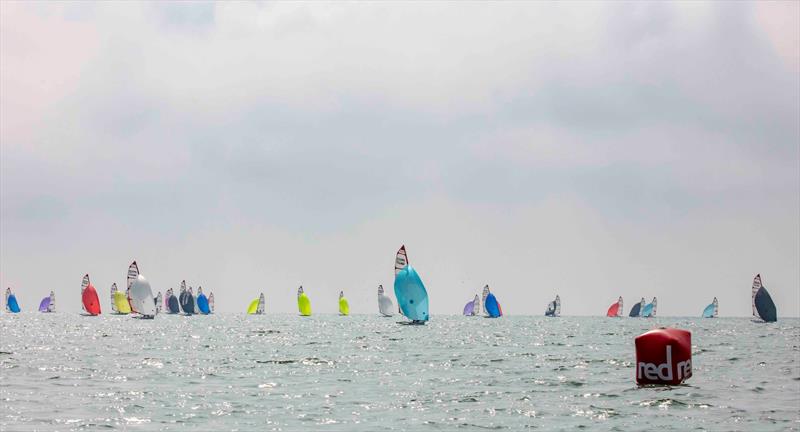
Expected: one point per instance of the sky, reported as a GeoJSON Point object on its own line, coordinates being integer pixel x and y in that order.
{"type": "Point", "coordinates": [589, 150]}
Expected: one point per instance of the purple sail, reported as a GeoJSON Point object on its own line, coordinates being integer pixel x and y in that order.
{"type": "Point", "coordinates": [45, 304]}
{"type": "Point", "coordinates": [469, 307]}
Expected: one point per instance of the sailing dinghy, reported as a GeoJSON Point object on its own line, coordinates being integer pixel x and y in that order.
{"type": "Point", "coordinates": [473, 307]}
{"type": "Point", "coordinates": [637, 309]}
{"type": "Point", "coordinates": [257, 306]}
{"type": "Point", "coordinates": [344, 306]}
{"type": "Point", "coordinates": [89, 299]}
{"type": "Point", "coordinates": [712, 310]}
{"type": "Point", "coordinates": [48, 304]}
{"type": "Point", "coordinates": [173, 307]}
{"type": "Point", "coordinates": [141, 294]}
{"type": "Point", "coordinates": [211, 303]}
{"type": "Point", "coordinates": [202, 302]}
{"type": "Point", "coordinates": [385, 305]}
{"type": "Point", "coordinates": [554, 308]}
{"type": "Point", "coordinates": [119, 301]}
{"type": "Point", "coordinates": [303, 302]}
{"type": "Point", "coordinates": [11, 302]}
{"type": "Point", "coordinates": [409, 290]}
{"type": "Point", "coordinates": [615, 310]}
{"type": "Point", "coordinates": [763, 307]}
{"type": "Point", "coordinates": [490, 304]}
{"type": "Point", "coordinates": [649, 311]}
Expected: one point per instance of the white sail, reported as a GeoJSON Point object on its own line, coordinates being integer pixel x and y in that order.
{"type": "Point", "coordinates": [756, 287]}
{"type": "Point", "coordinates": [385, 305]}
{"type": "Point", "coordinates": [133, 272]}
{"type": "Point", "coordinates": [142, 297]}
{"type": "Point", "coordinates": [716, 307]}
{"type": "Point", "coordinates": [655, 306]}
{"type": "Point", "coordinates": [483, 298]}
{"type": "Point", "coordinates": [52, 306]}
{"type": "Point", "coordinates": [183, 285]}
{"type": "Point", "coordinates": [113, 303]}
{"type": "Point", "coordinates": [8, 294]}
{"type": "Point", "coordinates": [211, 302]}
{"type": "Point", "coordinates": [261, 304]}
{"type": "Point", "coordinates": [401, 260]}
{"type": "Point", "coordinates": [620, 311]}
{"type": "Point", "coordinates": [159, 302]}
{"type": "Point", "coordinates": [84, 284]}
{"type": "Point", "coordinates": [558, 306]}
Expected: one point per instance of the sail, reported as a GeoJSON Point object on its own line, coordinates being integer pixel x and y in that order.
{"type": "Point", "coordinates": [52, 306]}
{"type": "Point", "coordinates": [400, 260]}
{"type": "Point", "coordinates": [344, 306]}
{"type": "Point", "coordinates": [159, 300]}
{"type": "Point", "coordinates": [44, 304]}
{"type": "Point", "coordinates": [256, 306]}
{"type": "Point", "coordinates": [84, 284]}
{"type": "Point", "coordinates": [193, 300]}
{"type": "Point", "coordinates": [385, 305]}
{"type": "Point", "coordinates": [485, 294]}
{"type": "Point", "coordinates": [186, 300]}
{"type": "Point", "coordinates": [202, 302]}
{"type": "Point", "coordinates": [716, 307]}
{"type": "Point", "coordinates": [615, 309]}
{"type": "Point", "coordinates": [211, 302]}
{"type": "Point", "coordinates": [636, 310]}
{"type": "Point", "coordinates": [754, 291]}
{"type": "Point", "coordinates": [172, 303]}
{"type": "Point", "coordinates": [492, 306]}
{"type": "Point", "coordinates": [89, 299]}
{"type": "Point", "coordinates": [558, 305]}
{"type": "Point", "coordinates": [469, 308]}
{"type": "Point", "coordinates": [649, 311]}
{"type": "Point", "coordinates": [121, 303]}
{"type": "Point", "coordinates": [411, 294]}
{"type": "Point", "coordinates": [133, 273]}
{"type": "Point", "coordinates": [709, 311]}
{"type": "Point", "coordinates": [551, 309]}
{"type": "Point", "coordinates": [114, 290]}
{"type": "Point", "coordinates": [303, 302]}
{"type": "Point", "coordinates": [11, 302]}
{"type": "Point", "coordinates": [765, 307]}
{"type": "Point", "coordinates": [142, 297]}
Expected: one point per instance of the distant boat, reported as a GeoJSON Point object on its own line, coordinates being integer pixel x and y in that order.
{"type": "Point", "coordinates": [11, 302]}
{"type": "Point", "coordinates": [763, 307]}
{"type": "Point", "coordinates": [171, 302]}
{"type": "Point", "coordinates": [202, 302]}
{"type": "Point", "coordinates": [490, 304]}
{"type": "Point", "coordinates": [636, 310]}
{"type": "Point", "coordinates": [385, 305]}
{"type": "Point", "coordinates": [412, 298]}
{"type": "Point", "coordinates": [141, 294]}
{"type": "Point", "coordinates": [473, 307]}
{"type": "Point", "coordinates": [133, 273]}
{"type": "Point", "coordinates": [159, 301]}
{"type": "Point", "coordinates": [257, 306]}
{"type": "Point", "coordinates": [649, 311]}
{"type": "Point", "coordinates": [89, 299]}
{"type": "Point", "coordinates": [119, 301]}
{"type": "Point", "coordinates": [211, 303]}
{"type": "Point", "coordinates": [48, 304]}
{"type": "Point", "coordinates": [615, 310]}
{"type": "Point", "coordinates": [712, 310]}
{"type": "Point", "coordinates": [303, 302]}
{"type": "Point", "coordinates": [554, 308]}
{"type": "Point", "coordinates": [344, 306]}
{"type": "Point", "coordinates": [186, 299]}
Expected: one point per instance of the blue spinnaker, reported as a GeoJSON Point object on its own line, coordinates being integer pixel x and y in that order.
{"type": "Point", "coordinates": [492, 307]}
{"type": "Point", "coordinates": [13, 306]}
{"type": "Point", "coordinates": [173, 304]}
{"type": "Point", "coordinates": [202, 304]}
{"type": "Point", "coordinates": [636, 310]}
{"type": "Point", "coordinates": [708, 312]}
{"type": "Point", "coordinates": [648, 310]}
{"type": "Point", "coordinates": [411, 294]}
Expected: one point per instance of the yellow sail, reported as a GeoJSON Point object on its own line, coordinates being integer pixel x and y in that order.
{"type": "Point", "coordinates": [304, 304]}
{"type": "Point", "coordinates": [344, 307]}
{"type": "Point", "coordinates": [253, 308]}
{"type": "Point", "coordinates": [121, 302]}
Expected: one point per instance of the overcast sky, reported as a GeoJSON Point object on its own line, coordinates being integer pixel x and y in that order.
{"type": "Point", "coordinates": [584, 149]}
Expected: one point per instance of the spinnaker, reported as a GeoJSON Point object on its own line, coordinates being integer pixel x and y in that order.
{"type": "Point", "coordinates": [473, 307]}
{"type": "Point", "coordinates": [615, 310]}
{"type": "Point", "coordinates": [763, 306]}
{"type": "Point", "coordinates": [649, 311]}
{"type": "Point", "coordinates": [554, 308]}
{"type": "Point", "coordinates": [712, 310]}
{"type": "Point", "coordinates": [173, 306]}
{"type": "Point", "coordinates": [344, 306]}
{"type": "Point", "coordinates": [142, 300]}
{"type": "Point", "coordinates": [11, 302]}
{"type": "Point", "coordinates": [637, 309]}
{"type": "Point", "coordinates": [303, 302]}
{"type": "Point", "coordinates": [491, 305]}
{"type": "Point", "coordinates": [202, 302]}
{"type": "Point", "coordinates": [48, 304]}
{"type": "Point", "coordinates": [257, 306]}
{"type": "Point", "coordinates": [89, 299]}
{"type": "Point", "coordinates": [409, 290]}
{"type": "Point", "coordinates": [119, 301]}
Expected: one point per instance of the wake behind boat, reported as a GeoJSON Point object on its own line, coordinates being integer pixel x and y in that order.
{"type": "Point", "coordinates": [763, 307]}
{"type": "Point", "coordinates": [409, 290]}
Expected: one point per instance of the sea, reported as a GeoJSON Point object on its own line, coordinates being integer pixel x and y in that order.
{"type": "Point", "coordinates": [233, 372]}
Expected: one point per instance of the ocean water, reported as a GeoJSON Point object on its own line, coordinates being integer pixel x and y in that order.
{"type": "Point", "coordinates": [283, 372]}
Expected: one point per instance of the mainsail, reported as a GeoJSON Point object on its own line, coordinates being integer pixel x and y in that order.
{"type": "Point", "coordinates": [484, 294]}
{"type": "Point", "coordinates": [385, 305]}
{"type": "Point", "coordinates": [186, 300]}
{"type": "Point", "coordinates": [303, 302]}
{"type": "Point", "coordinates": [615, 309]}
{"type": "Point", "coordinates": [412, 298]}
{"type": "Point", "coordinates": [257, 306]}
{"type": "Point", "coordinates": [764, 306]}
{"type": "Point", "coordinates": [159, 300]}
{"type": "Point", "coordinates": [89, 299]}
{"type": "Point", "coordinates": [211, 302]}
{"type": "Point", "coordinates": [173, 306]}
{"type": "Point", "coordinates": [142, 297]}
{"type": "Point", "coordinates": [52, 306]}
{"type": "Point", "coordinates": [491, 305]}
{"type": "Point", "coordinates": [11, 302]}
{"type": "Point", "coordinates": [114, 290]}
{"type": "Point", "coordinates": [202, 302]}
{"type": "Point", "coordinates": [554, 308]}
{"type": "Point", "coordinates": [636, 310]}
{"type": "Point", "coordinates": [712, 310]}
{"type": "Point", "coordinates": [344, 306]}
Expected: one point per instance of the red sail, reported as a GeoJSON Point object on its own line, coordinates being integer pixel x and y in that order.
{"type": "Point", "coordinates": [613, 310]}
{"type": "Point", "coordinates": [90, 301]}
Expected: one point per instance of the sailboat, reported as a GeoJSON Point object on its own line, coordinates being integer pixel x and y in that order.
{"type": "Point", "coordinates": [763, 307]}
{"type": "Point", "coordinates": [473, 307]}
{"type": "Point", "coordinates": [186, 300]}
{"type": "Point", "coordinates": [211, 303]}
{"type": "Point", "coordinates": [257, 306]}
{"type": "Point", "coordinates": [159, 301]}
{"type": "Point", "coordinates": [202, 302]}
{"type": "Point", "coordinates": [89, 299]}
{"type": "Point", "coordinates": [141, 294]}
{"type": "Point", "coordinates": [48, 304]}
{"type": "Point", "coordinates": [649, 311]}
{"type": "Point", "coordinates": [119, 301]}
{"type": "Point", "coordinates": [637, 309]}
{"type": "Point", "coordinates": [385, 305]}
{"type": "Point", "coordinates": [491, 306]}
{"type": "Point", "coordinates": [615, 310]}
{"type": "Point", "coordinates": [409, 290]}
{"type": "Point", "coordinates": [712, 310]}
{"type": "Point", "coordinates": [133, 272]}
{"type": "Point", "coordinates": [303, 302]}
{"type": "Point", "coordinates": [554, 308]}
{"type": "Point", "coordinates": [344, 306]}
{"type": "Point", "coordinates": [173, 307]}
{"type": "Point", "coordinates": [11, 302]}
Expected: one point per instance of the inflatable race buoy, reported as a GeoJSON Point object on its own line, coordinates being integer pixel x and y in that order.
{"type": "Point", "coordinates": [663, 356]}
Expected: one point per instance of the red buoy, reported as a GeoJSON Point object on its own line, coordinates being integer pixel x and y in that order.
{"type": "Point", "coordinates": [664, 356]}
